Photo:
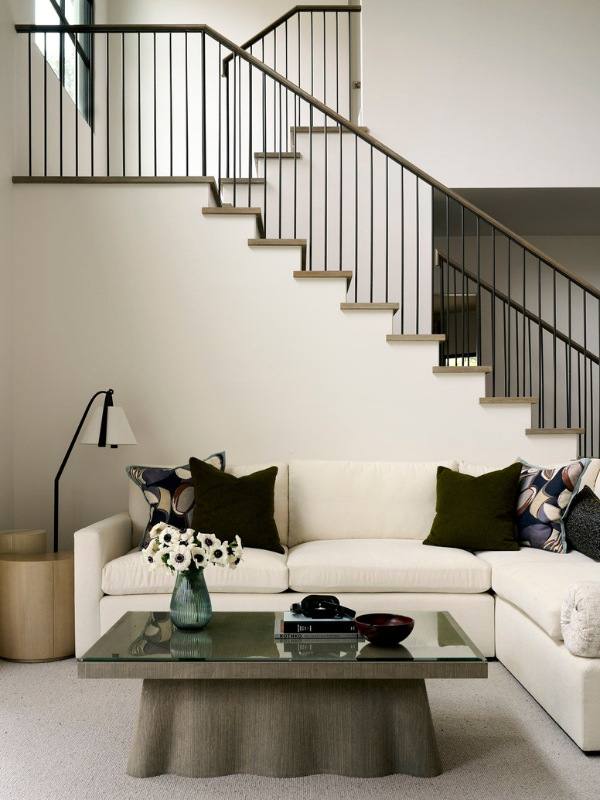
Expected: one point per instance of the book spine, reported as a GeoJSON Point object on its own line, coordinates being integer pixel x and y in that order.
{"type": "Point", "coordinates": [342, 626]}
{"type": "Point", "coordinates": [290, 636]}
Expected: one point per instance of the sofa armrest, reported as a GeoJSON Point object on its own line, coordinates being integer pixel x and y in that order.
{"type": "Point", "coordinates": [95, 546]}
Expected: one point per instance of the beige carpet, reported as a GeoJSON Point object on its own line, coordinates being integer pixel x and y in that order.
{"type": "Point", "coordinates": [63, 738]}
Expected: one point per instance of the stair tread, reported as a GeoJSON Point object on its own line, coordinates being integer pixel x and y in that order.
{"type": "Point", "coordinates": [458, 370]}
{"type": "Point", "coordinates": [321, 129]}
{"type": "Point", "coordinates": [542, 431]}
{"type": "Point", "coordinates": [369, 306]}
{"type": "Point", "coordinates": [229, 181]}
{"type": "Point", "coordinates": [276, 154]}
{"type": "Point", "coordinates": [416, 337]}
{"type": "Point", "coordinates": [231, 211]}
{"type": "Point", "coordinates": [490, 401]}
{"type": "Point", "coordinates": [277, 242]}
{"type": "Point", "coordinates": [332, 273]}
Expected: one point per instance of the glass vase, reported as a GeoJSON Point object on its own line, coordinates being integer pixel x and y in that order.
{"type": "Point", "coordinates": [191, 608]}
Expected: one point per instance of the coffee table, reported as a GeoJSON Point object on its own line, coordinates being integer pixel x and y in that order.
{"type": "Point", "coordinates": [231, 699]}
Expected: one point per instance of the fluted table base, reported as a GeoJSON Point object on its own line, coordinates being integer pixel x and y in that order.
{"type": "Point", "coordinates": [284, 728]}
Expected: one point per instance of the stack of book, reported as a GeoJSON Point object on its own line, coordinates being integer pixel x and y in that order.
{"type": "Point", "coordinates": [297, 626]}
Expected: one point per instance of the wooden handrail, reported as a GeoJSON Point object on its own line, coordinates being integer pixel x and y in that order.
{"type": "Point", "coordinates": [330, 114]}
{"type": "Point", "coordinates": [296, 9]}
{"type": "Point", "coordinates": [518, 307]}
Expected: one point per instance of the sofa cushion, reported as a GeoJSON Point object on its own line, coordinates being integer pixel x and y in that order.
{"type": "Point", "coordinates": [526, 555]}
{"type": "Point", "coordinates": [261, 571]}
{"type": "Point", "coordinates": [138, 507]}
{"type": "Point", "coordinates": [384, 565]}
{"type": "Point", "coordinates": [538, 587]}
{"type": "Point", "coordinates": [361, 500]}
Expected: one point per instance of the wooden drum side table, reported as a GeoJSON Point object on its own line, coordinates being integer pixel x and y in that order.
{"type": "Point", "coordinates": [37, 616]}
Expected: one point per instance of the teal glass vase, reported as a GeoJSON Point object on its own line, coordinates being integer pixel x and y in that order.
{"type": "Point", "coordinates": [191, 608]}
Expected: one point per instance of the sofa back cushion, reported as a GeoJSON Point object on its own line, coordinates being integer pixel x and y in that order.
{"type": "Point", "coordinates": [362, 500]}
{"type": "Point", "coordinates": [138, 507]}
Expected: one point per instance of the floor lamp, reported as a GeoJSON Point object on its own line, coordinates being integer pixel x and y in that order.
{"type": "Point", "coordinates": [107, 426]}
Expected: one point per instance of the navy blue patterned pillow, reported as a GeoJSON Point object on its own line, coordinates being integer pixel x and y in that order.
{"type": "Point", "coordinates": [169, 492]}
{"type": "Point", "coordinates": [544, 498]}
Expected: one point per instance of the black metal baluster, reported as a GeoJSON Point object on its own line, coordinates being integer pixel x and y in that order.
{"type": "Point", "coordinates": [61, 83]}
{"type": "Point", "coordinates": [92, 92]}
{"type": "Point", "coordinates": [355, 218]}
{"type": "Point", "coordinates": [155, 128]}
{"type": "Point", "coordinates": [325, 219]}
{"type": "Point", "coordinates": [479, 344]}
{"type": "Point", "coordinates": [337, 65]}
{"type": "Point", "coordinates": [122, 96]}
{"type": "Point", "coordinates": [234, 152]}
{"type": "Point", "coordinates": [227, 136]}
{"type": "Point", "coordinates": [371, 265]}
{"type": "Point", "coordinates": [239, 72]}
{"type": "Point", "coordinates": [506, 390]}
{"type": "Point", "coordinates": [529, 349]}
{"type": "Point", "coordinates": [29, 99]}
{"type": "Point", "coordinates": [524, 314]}
{"type": "Point", "coordinates": [310, 183]}
{"type": "Point", "coordinates": [249, 135]}
{"type": "Point", "coordinates": [446, 325]}
{"type": "Point", "coordinates": [274, 91]}
{"type": "Point", "coordinates": [204, 104]}
{"type": "Point", "coordinates": [493, 312]}
{"type": "Point", "coordinates": [569, 357]}
{"type": "Point", "coordinates": [462, 310]}
{"type": "Point", "coordinates": [171, 100]}
{"type": "Point", "coordinates": [387, 226]}
{"type": "Point", "coordinates": [590, 439]}
{"type": "Point", "coordinates": [220, 79]}
{"type": "Point", "coordinates": [349, 65]}
{"type": "Point", "coordinates": [585, 383]}
{"type": "Point", "coordinates": [324, 61]}
{"type": "Point", "coordinates": [45, 108]}
{"type": "Point", "coordinates": [508, 370]}
{"type": "Point", "coordinates": [187, 115]}
{"type": "Point", "coordinates": [418, 273]}
{"type": "Point", "coordinates": [107, 105]}
{"type": "Point", "coordinates": [296, 104]}
{"type": "Point", "coordinates": [287, 97]}
{"type": "Point", "coordinates": [299, 14]}
{"type": "Point", "coordinates": [540, 348]}
{"type": "Point", "coordinates": [340, 245]}
{"type": "Point", "coordinates": [554, 345]}
{"type": "Point", "coordinates": [139, 44]}
{"type": "Point", "coordinates": [312, 57]}
{"type": "Point", "coordinates": [279, 190]}
{"type": "Point", "coordinates": [264, 132]}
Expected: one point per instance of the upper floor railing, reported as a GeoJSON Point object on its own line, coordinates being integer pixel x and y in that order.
{"type": "Point", "coordinates": [160, 107]}
{"type": "Point", "coordinates": [317, 47]}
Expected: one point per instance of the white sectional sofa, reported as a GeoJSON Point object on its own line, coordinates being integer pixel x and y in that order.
{"type": "Point", "coordinates": [355, 529]}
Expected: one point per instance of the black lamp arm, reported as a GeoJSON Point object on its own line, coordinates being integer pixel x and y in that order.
{"type": "Point", "coordinates": [107, 402]}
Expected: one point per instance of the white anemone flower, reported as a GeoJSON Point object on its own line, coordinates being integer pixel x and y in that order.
{"type": "Point", "coordinates": [169, 536]}
{"type": "Point", "coordinates": [186, 536]}
{"type": "Point", "coordinates": [180, 558]}
{"type": "Point", "coordinates": [219, 555]}
{"type": "Point", "coordinates": [199, 557]}
{"type": "Point", "coordinates": [208, 541]}
{"type": "Point", "coordinates": [158, 529]}
{"type": "Point", "coordinates": [152, 559]}
{"type": "Point", "coordinates": [234, 551]}
{"type": "Point", "coordinates": [234, 564]}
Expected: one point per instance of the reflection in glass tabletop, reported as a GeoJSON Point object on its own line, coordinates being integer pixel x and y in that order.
{"type": "Point", "coordinates": [248, 635]}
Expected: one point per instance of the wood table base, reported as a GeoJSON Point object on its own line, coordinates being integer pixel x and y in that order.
{"type": "Point", "coordinates": [284, 728]}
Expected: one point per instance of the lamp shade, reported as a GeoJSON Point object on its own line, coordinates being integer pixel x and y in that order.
{"type": "Point", "coordinates": [118, 430]}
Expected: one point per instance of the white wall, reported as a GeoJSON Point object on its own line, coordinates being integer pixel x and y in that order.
{"type": "Point", "coordinates": [211, 345]}
{"type": "Point", "coordinates": [502, 93]}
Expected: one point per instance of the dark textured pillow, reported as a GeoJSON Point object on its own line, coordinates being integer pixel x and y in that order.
{"type": "Point", "coordinates": [476, 513]}
{"type": "Point", "coordinates": [544, 497]}
{"type": "Point", "coordinates": [169, 492]}
{"type": "Point", "coordinates": [582, 523]}
{"type": "Point", "coordinates": [228, 506]}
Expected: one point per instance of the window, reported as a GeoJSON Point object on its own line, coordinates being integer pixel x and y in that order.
{"type": "Point", "coordinates": [60, 47]}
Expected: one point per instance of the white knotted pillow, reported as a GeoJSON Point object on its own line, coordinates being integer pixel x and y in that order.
{"type": "Point", "coordinates": [580, 619]}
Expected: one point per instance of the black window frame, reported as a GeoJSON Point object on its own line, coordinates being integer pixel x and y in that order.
{"type": "Point", "coordinates": [85, 73]}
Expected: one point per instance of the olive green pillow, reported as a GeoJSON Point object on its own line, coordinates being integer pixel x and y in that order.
{"type": "Point", "coordinates": [476, 513]}
{"type": "Point", "coordinates": [228, 506]}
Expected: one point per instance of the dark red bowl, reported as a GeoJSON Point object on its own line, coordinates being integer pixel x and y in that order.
{"type": "Point", "coordinates": [384, 630]}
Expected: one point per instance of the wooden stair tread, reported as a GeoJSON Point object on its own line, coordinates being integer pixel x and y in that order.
{"type": "Point", "coordinates": [369, 306]}
{"type": "Point", "coordinates": [416, 337]}
{"type": "Point", "coordinates": [331, 273]}
{"type": "Point", "coordinates": [231, 211]}
{"type": "Point", "coordinates": [553, 431]}
{"type": "Point", "coordinates": [459, 370]}
{"type": "Point", "coordinates": [229, 181]}
{"type": "Point", "coordinates": [276, 154]}
{"type": "Point", "coordinates": [492, 401]}
{"type": "Point", "coordinates": [330, 129]}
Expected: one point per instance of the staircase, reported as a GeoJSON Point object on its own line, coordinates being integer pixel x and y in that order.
{"type": "Point", "coordinates": [266, 122]}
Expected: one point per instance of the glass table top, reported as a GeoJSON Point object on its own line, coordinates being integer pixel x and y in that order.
{"type": "Point", "coordinates": [245, 636]}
